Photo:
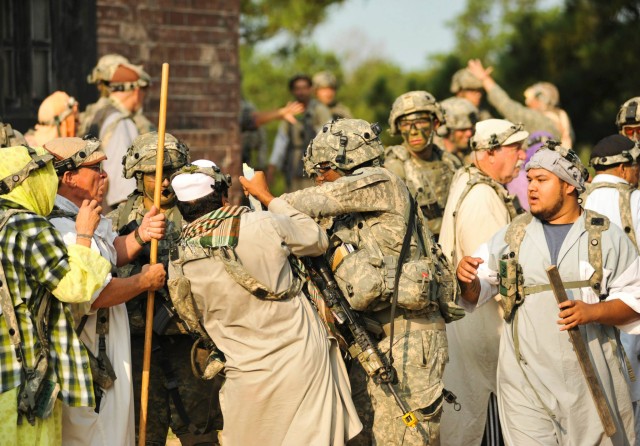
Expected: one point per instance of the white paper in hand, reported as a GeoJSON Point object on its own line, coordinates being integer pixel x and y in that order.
{"type": "Point", "coordinates": [248, 173]}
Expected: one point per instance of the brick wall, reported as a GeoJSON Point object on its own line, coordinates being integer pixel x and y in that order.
{"type": "Point", "coordinates": [199, 39]}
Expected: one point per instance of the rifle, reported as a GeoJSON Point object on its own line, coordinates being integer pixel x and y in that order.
{"type": "Point", "coordinates": [361, 346]}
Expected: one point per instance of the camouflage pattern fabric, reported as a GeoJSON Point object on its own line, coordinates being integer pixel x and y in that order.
{"type": "Point", "coordinates": [514, 111]}
{"type": "Point", "coordinates": [428, 181]}
{"type": "Point", "coordinates": [339, 110]}
{"type": "Point", "coordinates": [200, 398]}
{"type": "Point", "coordinates": [420, 360]}
{"type": "Point", "coordinates": [624, 203]}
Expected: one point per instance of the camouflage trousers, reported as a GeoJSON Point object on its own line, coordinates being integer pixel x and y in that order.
{"type": "Point", "coordinates": [199, 398]}
{"type": "Point", "coordinates": [419, 359]}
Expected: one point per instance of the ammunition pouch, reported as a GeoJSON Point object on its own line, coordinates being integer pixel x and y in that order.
{"type": "Point", "coordinates": [511, 285]}
{"type": "Point", "coordinates": [361, 279]}
{"type": "Point", "coordinates": [204, 366]}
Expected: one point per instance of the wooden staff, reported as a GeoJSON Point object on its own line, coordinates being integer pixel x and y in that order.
{"type": "Point", "coordinates": [148, 329]}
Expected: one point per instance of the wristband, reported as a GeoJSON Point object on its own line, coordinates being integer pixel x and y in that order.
{"type": "Point", "coordinates": [136, 234]}
{"type": "Point", "coordinates": [87, 236]}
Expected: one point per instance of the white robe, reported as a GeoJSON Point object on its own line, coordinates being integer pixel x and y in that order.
{"type": "Point", "coordinates": [549, 370]}
{"type": "Point", "coordinates": [114, 425]}
{"type": "Point", "coordinates": [474, 340]}
{"type": "Point", "coordinates": [285, 381]}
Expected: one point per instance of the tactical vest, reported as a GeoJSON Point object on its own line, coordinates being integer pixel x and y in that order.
{"type": "Point", "coordinates": [367, 276]}
{"type": "Point", "coordinates": [94, 118]}
{"type": "Point", "coordinates": [510, 274]}
{"type": "Point", "coordinates": [128, 218]}
{"type": "Point", "coordinates": [476, 176]}
{"type": "Point", "coordinates": [624, 202]}
{"type": "Point", "coordinates": [33, 376]}
{"type": "Point", "coordinates": [187, 309]}
{"type": "Point", "coordinates": [428, 181]}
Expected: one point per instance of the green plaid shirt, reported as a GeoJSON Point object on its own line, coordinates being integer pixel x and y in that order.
{"type": "Point", "coordinates": [34, 259]}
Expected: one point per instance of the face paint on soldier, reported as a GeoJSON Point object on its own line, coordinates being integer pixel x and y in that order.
{"type": "Point", "coordinates": [548, 195]}
{"type": "Point", "coordinates": [416, 130]}
{"type": "Point", "coordinates": [167, 196]}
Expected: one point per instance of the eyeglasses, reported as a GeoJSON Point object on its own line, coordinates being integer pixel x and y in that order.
{"type": "Point", "coordinates": [631, 130]}
{"type": "Point", "coordinates": [407, 125]}
{"type": "Point", "coordinates": [95, 167]}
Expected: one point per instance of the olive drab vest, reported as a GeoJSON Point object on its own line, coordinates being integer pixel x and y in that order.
{"type": "Point", "coordinates": [93, 118]}
{"type": "Point", "coordinates": [510, 274]}
{"type": "Point", "coordinates": [624, 202]}
{"type": "Point", "coordinates": [476, 176]}
{"type": "Point", "coordinates": [133, 211]}
{"type": "Point", "coordinates": [300, 134]}
{"type": "Point", "coordinates": [428, 181]}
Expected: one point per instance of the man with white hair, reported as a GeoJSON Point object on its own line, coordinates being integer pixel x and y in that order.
{"type": "Point", "coordinates": [478, 190]}
{"type": "Point", "coordinates": [542, 393]}
{"type": "Point", "coordinates": [285, 381]}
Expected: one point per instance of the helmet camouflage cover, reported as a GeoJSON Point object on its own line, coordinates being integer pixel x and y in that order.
{"type": "Point", "coordinates": [325, 79]}
{"type": "Point", "coordinates": [413, 102]}
{"type": "Point", "coordinates": [10, 137]}
{"type": "Point", "coordinates": [459, 113]}
{"type": "Point", "coordinates": [345, 143]}
{"type": "Point", "coordinates": [464, 80]}
{"type": "Point", "coordinates": [141, 155]}
{"type": "Point", "coordinates": [629, 113]}
{"type": "Point", "coordinates": [108, 64]}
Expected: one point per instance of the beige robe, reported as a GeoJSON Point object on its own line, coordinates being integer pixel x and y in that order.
{"type": "Point", "coordinates": [285, 381]}
{"type": "Point", "coordinates": [475, 339]}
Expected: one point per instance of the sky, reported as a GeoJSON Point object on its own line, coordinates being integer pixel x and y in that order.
{"type": "Point", "coordinates": [404, 31]}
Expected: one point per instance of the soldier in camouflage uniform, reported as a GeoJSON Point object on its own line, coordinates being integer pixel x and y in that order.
{"type": "Point", "coordinates": [177, 399]}
{"type": "Point", "coordinates": [425, 167]}
{"type": "Point", "coordinates": [533, 120]}
{"type": "Point", "coordinates": [116, 118]}
{"type": "Point", "coordinates": [325, 85]}
{"type": "Point", "coordinates": [371, 208]}
{"type": "Point", "coordinates": [465, 85]}
{"type": "Point", "coordinates": [628, 119]}
{"type": "Point", "coordinates": [461, 116]}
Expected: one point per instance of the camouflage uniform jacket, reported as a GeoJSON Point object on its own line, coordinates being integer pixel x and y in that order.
{"type": "Point", "coordinates": [339, 110]}
{"type": "Point", "coordinates": [136, 307]}
{"type": "Point", "coordinates": [91, 119]}
{"type": "Point", "coordinates": [514, 111]}
{"type": "Point", "coordinates": [428, 181]}
{"type": "Point", "coordinates": [370, 201]}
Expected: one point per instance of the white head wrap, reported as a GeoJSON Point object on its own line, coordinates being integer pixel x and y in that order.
{"type": "Point", "coordinates": [191, 186]}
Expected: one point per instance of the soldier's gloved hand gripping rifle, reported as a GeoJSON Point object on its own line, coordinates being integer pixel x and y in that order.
{"type": "Point", "coordinates": [361, 346]}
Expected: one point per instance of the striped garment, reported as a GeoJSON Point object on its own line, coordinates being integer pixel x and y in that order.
{"type": "Point", "coordinates": [34, 259]}
{"type": "Point", "coordinates": [216, 229]}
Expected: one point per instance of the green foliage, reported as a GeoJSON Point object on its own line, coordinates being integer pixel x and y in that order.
{"type": "Point", "coordinates": [263, 19]}
{"type": "Point", "coordinates": [587, 48]}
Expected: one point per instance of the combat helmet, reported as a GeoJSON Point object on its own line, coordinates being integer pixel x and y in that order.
{"type": "Point", "coordinates": [459, 113]}
{"type": "Point", "coordinates": [107, 66]}
{"type": "Point", "coordinates": [545, 92]}
{"type": "Point", "coordinates": [325, 79]}
{"type": "Point", "coordinates": [10, 137]}
{"type": "Point", "coordinates": [141, 155]}
{"type": "Point", "coordinates": [464, 79]}
{"type": "Point", "coordinates": [413, 102]}
{"type": "Point", "coordinates": [346, 144]}
{"type": "Point", "coordinates": [629, 113]}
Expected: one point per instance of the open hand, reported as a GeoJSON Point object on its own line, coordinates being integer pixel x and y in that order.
{"type": "Point", "coordinates": [468, 269]}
